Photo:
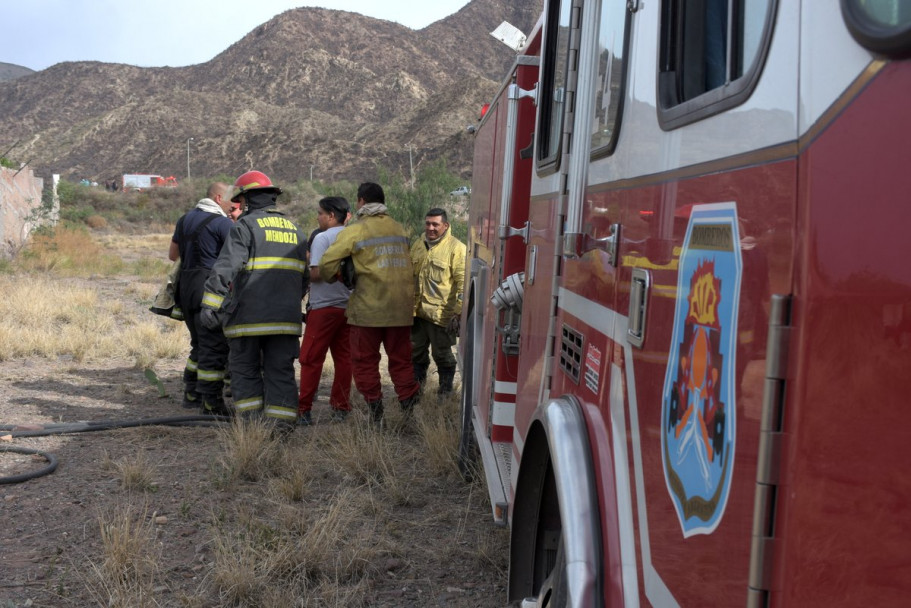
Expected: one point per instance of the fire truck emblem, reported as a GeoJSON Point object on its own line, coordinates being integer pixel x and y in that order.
{"type": "Point", "coordinates": [698, 405]}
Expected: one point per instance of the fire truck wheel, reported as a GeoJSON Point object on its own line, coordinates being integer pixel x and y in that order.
{"type": "Point", "coordinates": [553, 591]}
{"type": "Point", "coordinates": [468, 448]}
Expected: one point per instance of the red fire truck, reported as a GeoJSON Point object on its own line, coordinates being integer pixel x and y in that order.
{"type": "Point", "coordinates": [687, 326]}
{"type": "Point", "coordinates": [136, 182]}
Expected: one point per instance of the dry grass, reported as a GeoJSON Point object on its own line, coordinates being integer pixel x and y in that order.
{"type": "Point", "coordinates": [295, 548]}
{"type": "Point", "coordinates": [135, 472]}
{"type": "Point", "coordinates": [131, 564]}
{"type": "Point", "coordinates": [364, 454]}
{"type": "Point", "coordinates": [52, 305]}
{"type": "Point", "coordinates": [439, 429]}
{"type": "Point", "coordinates": [320, 519]}
{"type": "Point", "coordinates": [68, 253]}
{"type": "Point", "coordinates": [249, 452]}
{"type": "Point", "coordinates": [322, 555]}
{"type": "Point", "coordinates": [48, 318]}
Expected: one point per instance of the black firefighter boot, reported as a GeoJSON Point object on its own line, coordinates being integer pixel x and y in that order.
{"type": "Point", "coordinates": [446, 376]}
{"type": "Point", "coordinates": [214, 405]}
{"type": "Point", "coordinates": [409, 403]}
{"type": "Point", "coordinates": [376, 411]}
{"type": "Point", "coordinates": [420, 374]}
{"type": "Point", "coordinates": [191, 400]}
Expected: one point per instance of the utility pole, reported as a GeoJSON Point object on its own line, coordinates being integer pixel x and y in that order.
{"type": "Point", "coordinates": [188, 158]}
{"type": "Point", "coordinates": [411, 165]}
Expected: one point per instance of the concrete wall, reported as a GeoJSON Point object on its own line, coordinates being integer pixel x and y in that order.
{"type": "Point", "coordinates": [20, 203]}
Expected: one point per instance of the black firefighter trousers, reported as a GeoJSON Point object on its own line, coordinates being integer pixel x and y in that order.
{"type": "Point", "coordinates": [262, 376]}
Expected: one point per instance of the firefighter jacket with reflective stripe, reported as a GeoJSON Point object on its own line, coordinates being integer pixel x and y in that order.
{"type": "Point", "coordinates": [439, 276]}
{"type": "Point", "coordinates": [260, 276]}
{"type": "Point", "coordinates": [379, 248]}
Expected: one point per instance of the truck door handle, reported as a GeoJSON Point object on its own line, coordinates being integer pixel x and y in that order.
{"type": "Point", "coordinates": [638, 306]}
{"type": "Point", "coordinates": [609, 244]}
{"type": "Point", "coordinates": [576, 244]}
{"type": "Point", "coordinates": [505, 231]}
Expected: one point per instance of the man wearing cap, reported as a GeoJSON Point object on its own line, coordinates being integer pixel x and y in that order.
{"type": "Point", "coordinates": [327, 327]}
{"type": "Point", "coordinates": [198, 239]}
{"type": "Point", "coordinates": [254, 291]}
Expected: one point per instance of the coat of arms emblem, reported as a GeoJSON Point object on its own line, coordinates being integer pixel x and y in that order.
{"type": "Point", "coordinates": [698, 406]}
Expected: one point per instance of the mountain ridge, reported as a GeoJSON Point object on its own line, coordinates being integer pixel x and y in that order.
{"type": "Point", "coordinates": [312, 86]}
{"type": "Point", "coordinates": [11, 71]}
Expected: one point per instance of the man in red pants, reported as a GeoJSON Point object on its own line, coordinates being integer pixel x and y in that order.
{"type": "Point", "coordinates": [381, 308]}
{"type": "Point", "coordinates": [327, 328]}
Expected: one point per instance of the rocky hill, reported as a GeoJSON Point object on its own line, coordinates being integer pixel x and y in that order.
{"type": "Point", "coordinates": [8, 71]}
{"type": "Point", "coordinates": [334, 90]}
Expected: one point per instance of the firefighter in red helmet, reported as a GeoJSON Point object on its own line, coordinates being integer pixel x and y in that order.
{"type": "Point", "coordinates": [254, 291]}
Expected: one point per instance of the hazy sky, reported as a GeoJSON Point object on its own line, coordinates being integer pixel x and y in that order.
{"type": "Point", "coordinates": [153, 33]}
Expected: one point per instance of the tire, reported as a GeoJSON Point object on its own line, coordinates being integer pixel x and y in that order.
{"type": "Point", "coordinates": [554, 592]}
{"type": "Point", "coordinates": [550, 584]}
{"type": "Point", "coordinates": [468, 447]}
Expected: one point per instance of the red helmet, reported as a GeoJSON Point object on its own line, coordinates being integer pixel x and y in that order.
{"type": "Point", "coordinates": [253, 180]}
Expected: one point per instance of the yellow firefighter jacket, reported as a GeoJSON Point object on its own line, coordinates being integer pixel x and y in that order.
{"type": "Point", "coordinates": [439, 276]}
{"type": "Point", "coordinates": [384, 293]}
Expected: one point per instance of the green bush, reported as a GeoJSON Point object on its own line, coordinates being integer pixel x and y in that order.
{"type": "Point", "coordinates": [409, 205]}
{"type": "Point", "coordinates": [76, 214]}
{"type": "Point", "coordinates": [159, 208]}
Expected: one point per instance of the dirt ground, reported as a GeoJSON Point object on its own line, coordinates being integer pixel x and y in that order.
{"type": "Point", "coordinates": [49, 526]}
{"type": "Point", "coordinates": [444, 549]}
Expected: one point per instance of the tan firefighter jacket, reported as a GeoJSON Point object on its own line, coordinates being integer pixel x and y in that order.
{"type": "Point", "coordinates": [384, 293]}
{"type": "Point", "coordinates": [439, 277]}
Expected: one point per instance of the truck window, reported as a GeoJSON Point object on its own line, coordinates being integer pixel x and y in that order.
{"type": "Point", "coordinates": [552, 89]}
{"type": "Point", "coordinates": [711, 51]}
{"type": "Point", "coordinates": [613, 33]}
{"type": "Point", "coordinates": [883, 26]}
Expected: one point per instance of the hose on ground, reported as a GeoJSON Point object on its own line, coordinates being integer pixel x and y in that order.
{"type": "Point", "coordinates": [16, 431]}
{"type": "Point", "coordinates": [51, 464]}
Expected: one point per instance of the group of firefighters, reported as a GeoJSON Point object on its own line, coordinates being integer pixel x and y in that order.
{"type": "Point", "coordinates": [246, 269]}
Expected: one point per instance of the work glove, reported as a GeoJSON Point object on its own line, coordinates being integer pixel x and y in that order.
{"type": "Point", "coordinates": [347, 274]}
{"type": "Point", "coordinates": [210, 319]}
{"type": "Point", "coordinates": [452, 328]}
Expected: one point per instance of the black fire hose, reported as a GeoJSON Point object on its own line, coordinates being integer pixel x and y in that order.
{"type": "Point", "coordinates": [85, 427]}
{"type": "Point", "coordinates": [51, 464]}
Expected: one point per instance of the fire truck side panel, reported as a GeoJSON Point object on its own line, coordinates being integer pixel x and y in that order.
{"type": "Point", "coordinates": [486, 182]}
{"type": "Point", "coordinates": [493, 378]}
{"type": "Point", "coordinates": [537, 310]}
{"type": "Point", "coordinates": [588, 365]}
{"type": "Point", "coordinates": [511, 262]}
{"type": "Point", "coordinates": [737, 365]}
{"type": "Point", "coordinates": [650, 186]}
{"type": "Point", "coordinates": [722, 555]}
{"type": "Point", "coordinates": [482, 251]}
{"type": "Point", "coordinates": [843, 535]}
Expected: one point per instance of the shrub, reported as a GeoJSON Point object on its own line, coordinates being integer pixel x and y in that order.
{"type": "Point", "coordinates": [69, 251]}
{"type": "Point", "coordinates": [96, 222]}
{"type": "Point", "coordinates": [76, 215]}
{"type": "Point", "coordinates": [158, 209]}
{"type": "Point", "coordinates": [431, 189]}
